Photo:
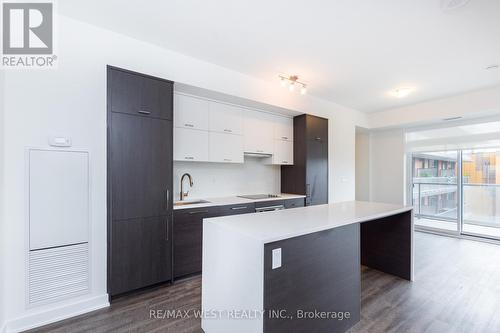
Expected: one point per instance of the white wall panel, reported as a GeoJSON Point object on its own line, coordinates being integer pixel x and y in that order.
{"type": "Point", "coordinates": [58, 198]}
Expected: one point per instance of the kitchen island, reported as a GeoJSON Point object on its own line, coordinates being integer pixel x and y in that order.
{"type": "Point", "coordinates": [298, 270]}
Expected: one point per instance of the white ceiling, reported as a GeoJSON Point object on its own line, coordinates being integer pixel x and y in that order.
{"type": "Point", "coordinates": [349, 51]}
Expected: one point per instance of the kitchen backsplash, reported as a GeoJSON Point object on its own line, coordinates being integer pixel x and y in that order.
{"type": "Point", "coordinates": [222, 179]}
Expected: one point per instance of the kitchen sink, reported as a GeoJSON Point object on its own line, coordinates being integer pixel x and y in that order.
{"type": "Point", "coordinates": [190, 202]}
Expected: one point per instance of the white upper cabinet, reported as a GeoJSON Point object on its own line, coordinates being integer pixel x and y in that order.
{"type": "Point", "coordinates": [258, 128]}
{"type": "Point", "coordinates": [225, 148]}
{"type": "Point", "coordinates": [190, 112]}
{"type": "Point", "coordinates": [283, 152]}
{"type": "Point", "coordinates": [224, 118]}
{"type": "Point", "coordinates": [190, 145]}
{"type": "Point", "coordinates": [283, 128]}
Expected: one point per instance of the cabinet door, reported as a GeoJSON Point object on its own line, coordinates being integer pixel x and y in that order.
{"type": "Point", "coordinates": [317, 173]}
{"type": "Point", "coordinates": [188, 235]}
{"type": "Point", "coordinates": [294, 203]}
{"type": "Point", "coordinates": [225, 148]}
{"type": "Point", "coordinates": [225, 118]}
{"type": "Point", "coordinates": [283, 152]}
{"type": "Point", "coordinates": [283, 128]}
{"type": "Point", "coordinates": [156, 98]}
{"type": "Point", "coordinates": [140, 95]}
{"type": "Point", "coordinates": [190, 112]}
{"type": "Point", "coordinates": [316, 128]}
{"type": "Point", "coordinates": [190, 145]}
{"type": "Point", "coordinates": [124, 91]}
{"type": "Point", "coordinates": [258, 132]}
{"type": "Point", "coordinates": [141, 164]}
{"type": "Point", "coordinates": [140, 253]}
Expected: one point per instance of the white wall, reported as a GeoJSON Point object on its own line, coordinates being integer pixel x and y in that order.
{"type": "Point", "coordinates": [2, 219]}
{"type": "Point", "coordinates": [387, 166]}
{"type": "Point", "coordinates": [388, 145]}
{"type": "Point", "coordinates": [212, 180]}
{"type": "Point", "coordinates": [70, 100]}
{"type": "Point", "coordinates": [362, 165]}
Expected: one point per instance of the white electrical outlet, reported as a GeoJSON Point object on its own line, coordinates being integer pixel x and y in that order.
{"type": "Point", "coordinates": [276, 258]}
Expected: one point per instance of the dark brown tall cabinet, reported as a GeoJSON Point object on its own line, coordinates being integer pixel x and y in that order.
{"type": "Point", "coordinates": [140, 162]}
{"type": "Point", "coordinates": [309, 173]}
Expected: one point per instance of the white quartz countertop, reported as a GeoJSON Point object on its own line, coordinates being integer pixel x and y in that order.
{"type": "Point", "coordinates": [283, 224]}
{"type": "Point", "coordinates": [234, 200]}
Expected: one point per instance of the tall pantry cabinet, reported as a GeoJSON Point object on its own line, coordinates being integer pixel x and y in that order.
{"type": "Point", "coordinates": [309, 174]}
{"type": "Point", "coordinates": [140, 163]}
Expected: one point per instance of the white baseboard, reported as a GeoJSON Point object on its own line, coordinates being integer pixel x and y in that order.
{"type": "Point", "coordinates": [57, 313]}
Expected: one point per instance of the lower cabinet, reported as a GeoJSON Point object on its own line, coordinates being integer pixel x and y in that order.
{"type": "Point", "coordinates": [294, 203]}
{"type": "Point", "coordinates": [188, 231]}
{"type": "Point", "coordinates": [188, 228]}
{"type": "Point", "coordinates": [134, 263]}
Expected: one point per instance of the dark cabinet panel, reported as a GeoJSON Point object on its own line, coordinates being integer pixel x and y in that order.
{"type": "Point", "coordinates": [188, 235]}
{"type": "Point", "coordinates": [141, 253]}
{"type": "Point", "coordinates": [237, 209]}
{"type": "Point", "coordinates": [309, 174]}
{"type": "Point", "coordinates": [140, 94]}
{"type": "Point", "coordinates": [141, 157]}
{"type": "Point", "coordinates": [294, 203]}
{"type": "Point", "coordinates": [319, 272]}
{"type": "Point", "coordinates": [317, 173]}
{"type": "Point", "coordinates": [316, 129]}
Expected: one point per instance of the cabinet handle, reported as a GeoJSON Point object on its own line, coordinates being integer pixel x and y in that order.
{"type": "Point", "coordinates": [167, 197]}
{"type": "Point", "coordinates": [189, 125]}
{"type": "Point", "coordinates": [284, 137]}
{"type": "Point", "coordinates": [238, 208]}
{"type": "Point", "coordinates": [285, 162]}
{"type": "Point", "coordinates": [144, 112]}
{"type": "Point", "coordinates": [317, 138]}
{"type": "Point", "coordinates": [308, 190]}
{"type": "Point", "coordinates": [260, 151]}
{"type": "Point", "coordinates": [189, 158]}
{"type": "Point", "coordinates": [228, 130]}
{"type": "Point", "coordinates": [198, 212]}
{"type": "Point", "coordinates": [227, 159]}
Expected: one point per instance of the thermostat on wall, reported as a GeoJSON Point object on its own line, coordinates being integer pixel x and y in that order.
{"type": "Point", "coordinates": [59, 141]}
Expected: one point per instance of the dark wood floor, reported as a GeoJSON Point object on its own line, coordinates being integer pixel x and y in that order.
{"type": "Point", "coordinates": [457, 289]}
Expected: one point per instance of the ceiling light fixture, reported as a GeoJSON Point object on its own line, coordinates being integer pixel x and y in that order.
{"type": "Point", "coordinates": [293, 81]}
{"type": "Point", "coordinates": [401, 92]}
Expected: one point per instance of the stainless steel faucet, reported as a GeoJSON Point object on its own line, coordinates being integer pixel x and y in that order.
{"type": "Point", "coordinates": [183, 195]}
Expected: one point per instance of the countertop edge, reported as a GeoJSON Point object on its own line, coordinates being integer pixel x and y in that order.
{"type": "Point", "coordinates": [237, 200]}
{"type": "Point", "coordinates": [347, 222]}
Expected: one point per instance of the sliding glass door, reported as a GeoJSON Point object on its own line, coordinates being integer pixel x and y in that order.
{"type": "Point", "coordinates": [481, 192]}
{"type": "Point", "coordinates": [457, 191]}
{"type": "Point", "coordinates": [436, 190]}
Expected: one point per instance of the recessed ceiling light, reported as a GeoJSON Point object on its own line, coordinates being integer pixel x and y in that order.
{"type": "Point", "coordinates": [492, 67]}
{"type": "Point", "coordinates": [401, 92]}
{"type": "Point", "coordinates": [453, 4]}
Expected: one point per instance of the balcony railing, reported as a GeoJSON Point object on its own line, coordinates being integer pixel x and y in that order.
{"type": "Point", "coordinates": [439, 201]}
